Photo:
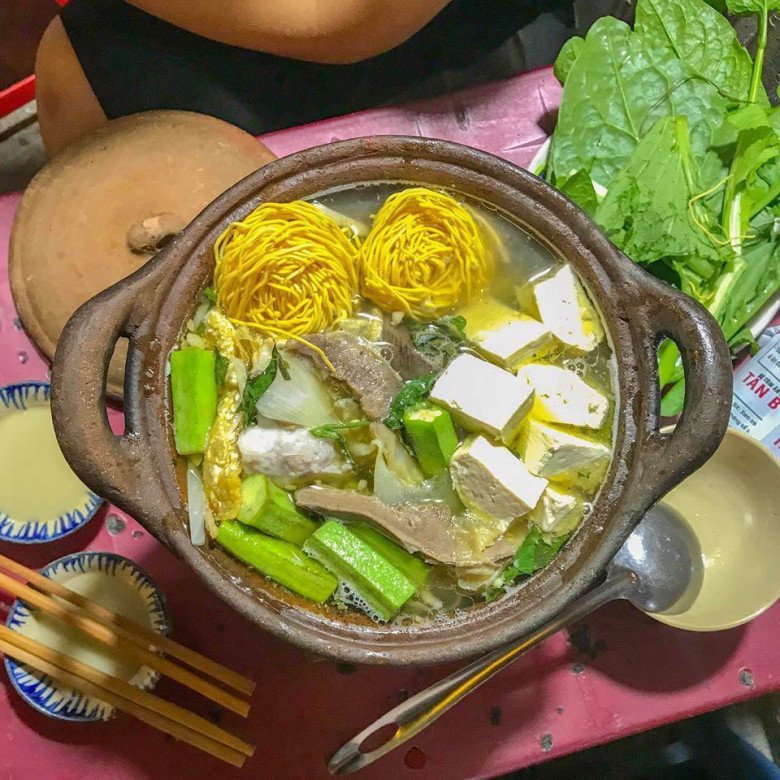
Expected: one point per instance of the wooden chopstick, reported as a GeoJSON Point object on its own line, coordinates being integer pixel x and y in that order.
{"type": "Point", "coordinates": [144, 706]}
{"type": "Point", "coordinates": [70, 615]}
{"type": "Point", "coordinates": [132, 631]}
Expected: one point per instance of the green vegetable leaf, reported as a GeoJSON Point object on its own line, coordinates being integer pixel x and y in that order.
{"type": "Point", "coordinates": [756, 146]}
{"type": "Point", "coordinates": [411, 393]}
{"type": "Point", "coordinates": [740, 7]}
{"type": "Point", "coordinates": [669, 365]}
{"type": "Point", "coordinates": [220, 369]}
{"type": "Point", "coordinates": [744, 339]}
{"type": "Point", "coordinates": [622, 83]}
{"type": "Point", "coordinates": [333, 430]}
{"type": "Point", "coordinates": [700, 37]}
{"type": "Point", "coordinates": [209, 294]}
{"type": "Point", "coordinates": [547, 550]}
{"type": "Point", "coordinates": [533, 554]}
{"type": "Point", "coordinates": [674, 399]}
{"type": "Point", "coordinates": [579, 188]}
{"type": "Point", "coordinates": [439, 340]}
{"type": "Point", "coordinates": [257, 385]}
{"type": "Point", "coordinates": [755, 280]}
{"type": "Point", "coordinates": [646, 213]}
{"type": "Point", "coordinates": [525, 557]}
{"type": "Point", "coordinates": [567, 57]}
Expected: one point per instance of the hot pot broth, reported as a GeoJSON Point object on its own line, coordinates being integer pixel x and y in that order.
{"type": "Point", "coordinates": [402, 461]}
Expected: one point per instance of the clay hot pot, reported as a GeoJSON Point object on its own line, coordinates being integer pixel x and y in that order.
{"type": "Point", "coordinates": [136, 471]}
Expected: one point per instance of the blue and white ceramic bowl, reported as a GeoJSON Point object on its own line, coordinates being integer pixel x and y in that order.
{"type": "Point", "coordinates": [62, 513]}
{"type": "Point", "coordinates": [118, 584]}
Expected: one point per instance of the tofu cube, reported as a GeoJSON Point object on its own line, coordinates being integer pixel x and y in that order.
{"type": "Point", "coordinates": [513, 342]}
{"type": "Point", "coordinates": [491, 480]}
{"type": "Point", "coordinates": [551, 453]}
{"type": "Point", "coordinates": [567, 312]}
{"type": "Point", "coordinates": [562, 397]}
{"type": "Point", "coordinates": [483, 397]}
{"type": "Point", "coordinates": [557, 512]}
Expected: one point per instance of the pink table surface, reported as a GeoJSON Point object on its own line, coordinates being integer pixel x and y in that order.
{"type": "Point", "coordinates": [618, 674]}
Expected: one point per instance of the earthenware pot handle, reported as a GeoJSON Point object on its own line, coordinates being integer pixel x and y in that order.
{"type": "Point", "coordinates": [114, 466]}
{"type": "Point", "coordinates": [667, 458]}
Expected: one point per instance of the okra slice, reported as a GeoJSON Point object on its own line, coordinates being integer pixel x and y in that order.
{"type": "Point", "coordinates": [409, 565]}
{"type": "Point", "coordinates": [432, 435]}
{"type": "Point", "coordinates": [270, 509]}
{"type": "Point", "coordinates": [194, 394]}
{"type": "Point", "coordinates": [366, 579]}
{"type": "Point", "coordinates": [281, 561]}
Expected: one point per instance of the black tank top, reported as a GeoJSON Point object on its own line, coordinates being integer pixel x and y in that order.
{"type": "Point", "coordinates": [136, 62]}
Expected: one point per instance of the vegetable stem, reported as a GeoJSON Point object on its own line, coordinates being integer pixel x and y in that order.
{"type": "Point", "coordinates": [758, 61]}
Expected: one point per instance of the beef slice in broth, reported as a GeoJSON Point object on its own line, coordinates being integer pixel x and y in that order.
{"type": "Point", "coordinates": [372, 380]}
{"type": "Point", "coordinates": [423, 527]}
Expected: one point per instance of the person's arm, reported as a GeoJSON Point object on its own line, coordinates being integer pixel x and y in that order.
{"type": "Point", "coordinates": [326, 31]}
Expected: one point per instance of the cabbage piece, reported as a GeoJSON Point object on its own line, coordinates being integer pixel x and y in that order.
{"type": "Point", "coordinates": [196, 508]}
{"type": "Point", "coordinates": [303, 399]}
{"type": "Point", "coordinates": [398, 479]}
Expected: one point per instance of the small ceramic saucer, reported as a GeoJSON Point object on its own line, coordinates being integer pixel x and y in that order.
{"type": "Point", "coordinates": [119, 585]}
{"type": "Point", "coordinates": [41, 499]}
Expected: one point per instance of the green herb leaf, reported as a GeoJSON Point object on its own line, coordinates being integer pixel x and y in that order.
{"type": "Point", "coordinates": [257, 385]}
{"type": "Point", "coordinates": [220, 369]}
{"type": "Point", "coordinates": [209, 294]}
{"type": "Point", "coordinates": [412, 392]}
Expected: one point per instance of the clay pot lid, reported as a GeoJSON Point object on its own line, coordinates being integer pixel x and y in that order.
{"type": "Point", "coordinates": [103, 206]}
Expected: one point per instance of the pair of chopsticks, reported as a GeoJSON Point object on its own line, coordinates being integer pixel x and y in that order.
{"type": "Point", "coordinates": [134, 641]}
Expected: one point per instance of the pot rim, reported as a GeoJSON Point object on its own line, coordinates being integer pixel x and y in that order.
{"type": "Point", "coordinates": [637, 311]}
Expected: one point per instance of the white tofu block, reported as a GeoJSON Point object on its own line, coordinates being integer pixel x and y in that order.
{"type": "Point", "coordinates": [483, 397]}
{"type": "Point", "coordinates": [490, 479]}
{"type": "Point", "coordinates": [513, 342]}
{"type": "Point", "coordinates": [562, 397]}
{"type": "Point", "coordinates": [557, 512]}
{"type": "Point", "coordinates": [567, 312]}
{"type": "Point", "coordinates": [549, 452]}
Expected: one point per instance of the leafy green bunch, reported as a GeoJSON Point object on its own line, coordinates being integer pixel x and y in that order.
{"type": "Point", "coordinates": [665, 136]}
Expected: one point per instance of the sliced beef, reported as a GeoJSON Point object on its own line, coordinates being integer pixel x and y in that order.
{"type": "Point", "coordinates": [406, 359]}
{"type": "Point", "coordinates": [421, 527]}
{"type": "Point", "coordinates": [372, 380]}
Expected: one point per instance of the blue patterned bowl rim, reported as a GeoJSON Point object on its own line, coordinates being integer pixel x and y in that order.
{"type": "Point", "coordinates": [38, 693]}
{"type": "Point", "coordinates": [20, 396]}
